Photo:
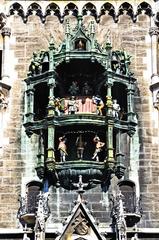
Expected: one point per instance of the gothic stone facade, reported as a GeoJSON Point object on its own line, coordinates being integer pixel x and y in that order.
{"type": "Point", "coordinates": [26, 27]}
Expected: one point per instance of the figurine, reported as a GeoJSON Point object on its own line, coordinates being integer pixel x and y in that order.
{"type": "Point", "coordinates": [98, 149]}
{"type": "Point", "coordinates": [86, 90]}
{"type": "Point", "coordinates": [80, 146]}
{"type": "Point", "coordinates": [72, 106]}
{"type": "Point", "coordinates": [35, 66]}
{"type": "Point", "coordinates": [74, 89]}
{"type": "Point", "coordinates": [99, 103]}
{"type": "Point", "coordinates": [62, 148]}
{"type": "Point", "coordinates": [122, 114]}
{"type": "Point", "coordinates": [57, 106]}
{"type": "Point", "coordinates": [120, 62]}
{"type": "Point", "coordinates": [116, 109]}
{"type": "Point", "coordinates": [80, 45]}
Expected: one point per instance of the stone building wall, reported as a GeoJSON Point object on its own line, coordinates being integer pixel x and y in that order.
{"type": "Point", "coordinates": [18, 153]}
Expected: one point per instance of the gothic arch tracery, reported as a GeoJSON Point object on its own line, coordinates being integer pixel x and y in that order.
{"type": "Point", "coordinates": [71, 9]}
{"type": "Point", "coordinates": [53, 9]}
{"type": "Point", "coordinates": [108, 9]}
{"type": "Point", "coordinates": [25, 10]}
{"type": "Point", "coordinates": [17, 9]}
{"type": "Point", "coordinates": [90, 10]}
{"type": "Point", "coordinates": [126, 8]}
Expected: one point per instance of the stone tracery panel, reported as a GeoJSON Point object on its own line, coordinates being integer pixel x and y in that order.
{"type": "Point", "coordinates": [88, 9]}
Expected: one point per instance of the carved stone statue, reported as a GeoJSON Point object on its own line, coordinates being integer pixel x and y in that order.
{"type": "Point", "coordinates": [99, 103]}
{"type": "Point", "coordinates": [62, 148]}
{"type": "Point", "coordinates": [98, 149]}
{"type": "Point", "coordinates": [36, 65]}
{"type": "Point", "coordinates": [80, 146]}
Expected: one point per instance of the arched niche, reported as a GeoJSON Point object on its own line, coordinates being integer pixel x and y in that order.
{"type": "Point", "coordinates": [119, 92]}
{"type": "Point", "coordinates": [41, 95]}
{"type": "Point", "coordinates": [128, 190]}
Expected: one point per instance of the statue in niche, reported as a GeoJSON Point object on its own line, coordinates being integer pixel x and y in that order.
{"type": "Point", "coordinates": [121, 62]}
{"type": "Point", "coordinates": [116, 109]}
{"type": "Point", "coordinates": [122, 114]}
{"type": "Point", "coordinates": [74, 89]}
{"type": "Point", "coordinates": [72, 105]}
{"type": "Point", "coordinates": [35, 65]}
{"type": "Point", "coordinates": [62, 148]}
{"type": "Point", "coordinates": [80, 144]}
{"type": "Point", "coordinates": [99, 103]}
{"type": "Point", "coordinates": [98, 148]}
{"type": "Point", "coordinates": [125, 62]}
{"type": "Point", "coordinates": [80, 45]}
{"type": "Point", "coordinates": [87, 90]}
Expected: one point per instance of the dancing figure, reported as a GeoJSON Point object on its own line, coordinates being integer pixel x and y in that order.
{"type": "Point", "coordinates": [99, 103]}
{"type": "Point", "coordinates": [98, 149]}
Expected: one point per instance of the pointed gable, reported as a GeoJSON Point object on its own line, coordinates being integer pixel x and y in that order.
{"type": "Point", "coordinates": [80, 225]}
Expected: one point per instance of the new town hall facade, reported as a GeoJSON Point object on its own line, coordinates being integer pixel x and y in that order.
{"type": "Point", "coordinates": [79, 120]}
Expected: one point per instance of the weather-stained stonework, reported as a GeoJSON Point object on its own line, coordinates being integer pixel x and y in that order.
{"type": "Point", "coordinates": [79, 102]}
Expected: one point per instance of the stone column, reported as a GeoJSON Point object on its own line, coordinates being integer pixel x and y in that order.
{"type": "Point", "coordinates": [40, 156]}
{"type": "Point", "coordinates": [51, 128]}
{"type": "Point", "coordinates": [130, 103]}
{"type": "Point", "coordinates": [6, 32]}
{"type": "Point", "coordinates": [110, 125]}
{"type": "Point", "coordinates": [30, 104]}
{"type": "Point", "coordinates": [120, 168]}
{"type": "Point", "coordinates": [154, 32]}
{"type": "Point", "coordinates": [109, 102]}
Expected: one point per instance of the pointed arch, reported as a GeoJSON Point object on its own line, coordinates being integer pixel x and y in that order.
{"type": "Point", "coordinates": [16, 9]}
{"type": "Point", "coordinates": [71, 8]}
{"type": "Point", "coordinates": [35, 8]}
{"type": "Point", "coordinates": [109, 9]}
{"type": "Point", "coordinates": [145, 8]}
{"type": "Point", "coordinates": [126, 8]}
{"type": "Point", "coordinates": [53, 9]}
{"type": "Point", "coordinates": [89, 9]}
